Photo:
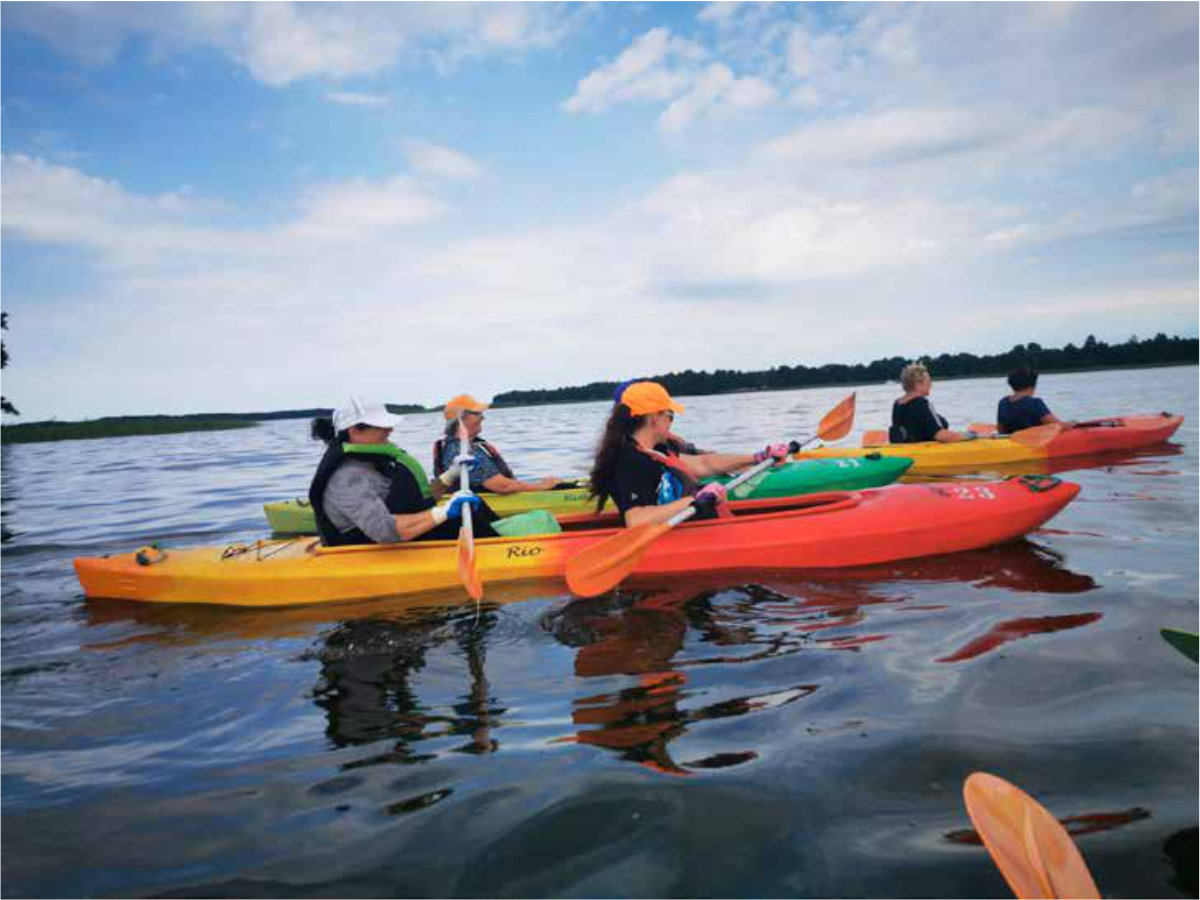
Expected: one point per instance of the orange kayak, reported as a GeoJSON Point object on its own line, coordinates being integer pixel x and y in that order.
{"type": "Point", "coordinates": [1117, 433]}
{"type": "Point", "coordinates": [817, 531]}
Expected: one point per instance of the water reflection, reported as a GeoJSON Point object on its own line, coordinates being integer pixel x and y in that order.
{"type": "Point", "coordinates": [640, 635]}
{"type": "Point", "coordinates": [366, 690]}
{"type": "Point", "coordinates": [1111, 459]}
{"type": "Point", "coordinates": [1085, 823]}
{"type": "Point", "coordinates": [1015, 629]}
{"type": "Point", "coordinates": [657, 636]}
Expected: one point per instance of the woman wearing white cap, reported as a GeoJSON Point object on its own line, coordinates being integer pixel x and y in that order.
{"type": "Point", "coordinates": [490, 472]}
{"type": "Point", "coordinates": [368, 491]}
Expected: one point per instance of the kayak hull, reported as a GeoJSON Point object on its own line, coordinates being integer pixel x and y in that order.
{"type": "Point", "coordinates": [821, 531]}
{"type": "Point", "coordinates": [792, 479]}
{"type": "Point", "coordinates": [933, 458]}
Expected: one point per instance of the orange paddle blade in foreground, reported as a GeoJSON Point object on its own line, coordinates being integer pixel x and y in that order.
{"type": "Point", "coordinates": [603, 565]}
{"type": "Point", "coordinates": [1032, 850]}
{"type": "Point", "coordinates": [837, 422]}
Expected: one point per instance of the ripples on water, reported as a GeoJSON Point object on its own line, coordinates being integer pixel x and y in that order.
{"type": "Point", "coordinates": [779, 736]}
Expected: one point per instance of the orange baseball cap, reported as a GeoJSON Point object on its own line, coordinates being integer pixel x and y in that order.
{"type": "Point", "coordinates": [463, 403]}
{"type": "Point", "coordinates": [646, 397]}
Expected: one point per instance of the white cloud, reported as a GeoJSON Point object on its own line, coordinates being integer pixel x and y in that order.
{"type": "Point", "coordinates": [279, 43]}
{"type": "Point", "coordinates": [352, 99]}
{"type": "Point", "coordinates": [440, 162]}
{"type": "Point", "coordinates": [656, 66]}
{"type": "Point", "coordinates": [361, 207]}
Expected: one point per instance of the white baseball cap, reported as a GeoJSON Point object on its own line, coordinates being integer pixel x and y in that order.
{"type": "Point", "coordinates": [355, 412]}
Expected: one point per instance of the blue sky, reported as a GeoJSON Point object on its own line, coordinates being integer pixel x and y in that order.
{"type": "Point", "coordinates": [236, 207]}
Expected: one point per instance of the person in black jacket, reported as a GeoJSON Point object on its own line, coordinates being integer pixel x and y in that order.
{"type": "Point", "coordinates": [914, 420]}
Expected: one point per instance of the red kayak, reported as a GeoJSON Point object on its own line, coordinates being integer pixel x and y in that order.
{"type": "Point", "coordinates": [1116, 433]}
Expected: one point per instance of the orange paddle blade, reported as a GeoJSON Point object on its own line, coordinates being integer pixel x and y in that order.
{"type": "Point", "coordinates": [467, 572]}
{"type": "Point", "coordinates": [1032, 850]}
{"type": "Point", "coordinates": [837, 422]}
{"type": "Point", "coordinates": [1038, 436]}
{"type": "Point", "coordinates": [986, 429]}
{"type": "Point", "coordinates": [874, 438]}
{"type": "Point", "coordinates": [604, 565]}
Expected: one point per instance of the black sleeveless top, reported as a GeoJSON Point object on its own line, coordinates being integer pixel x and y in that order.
{"type": "Point", "coordinates": [914, 422]}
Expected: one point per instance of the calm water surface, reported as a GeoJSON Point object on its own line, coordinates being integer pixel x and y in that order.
{"type": "Point", "coordinates": [780, 736]}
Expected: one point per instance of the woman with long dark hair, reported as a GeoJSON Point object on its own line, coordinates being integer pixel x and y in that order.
{"type": "Point", "coordinates": [643, 474]}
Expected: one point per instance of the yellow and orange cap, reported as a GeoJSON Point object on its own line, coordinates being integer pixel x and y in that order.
{"type": "Point", "coordinates": [462, 403]}
{"type": "Point", "coordinates": [646, 397]}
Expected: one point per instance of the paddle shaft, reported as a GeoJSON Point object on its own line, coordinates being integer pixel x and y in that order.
{"type": "Point", "coordinates": [466, 533]}
{"type": "Point", "coordinates": [684, 514]}
{"type": "Point", "coordinates": [464, 481]}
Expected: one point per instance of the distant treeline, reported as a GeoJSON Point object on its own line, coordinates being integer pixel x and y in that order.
{"type": "Point", "coordinates": [1093, 354]}
{"type": "Point", "coordinates": [128, 426]}
{"type": "Point", "coordinates": [119, 426]}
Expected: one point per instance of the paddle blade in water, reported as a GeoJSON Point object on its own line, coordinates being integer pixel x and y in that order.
{"type": "Point", "coordinates": [604, 565]}
{"type": "Point", "coordinates": [467, 571]}
{"type": "Point", "coordinates": [983, 429]}
{"type": "Point", "coordinates": [1038, 436]}
{"type": "Point", "coordinates": [1032, 850]}
{"type": "Point", "coordinates": [838, 421]}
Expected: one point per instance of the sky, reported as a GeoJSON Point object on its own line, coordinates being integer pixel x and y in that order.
{"type": "Point", "coordinates": [250, 207]}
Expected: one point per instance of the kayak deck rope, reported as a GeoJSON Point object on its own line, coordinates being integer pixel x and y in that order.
{"type": "Point", "coordinates": [235, 550]}
{"type": "Point", "coordinates": [1039, 484]}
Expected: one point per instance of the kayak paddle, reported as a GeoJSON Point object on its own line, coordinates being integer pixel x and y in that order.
{"type": "Point", "coordinates": [983, 429]}
{"type": "Point", "coordinates": [836, 423]}
{"type": "Point", "coordinates": [605, 565]}
{"type": "Point", "coordinates": [875, 438]}
{"type": "Point", "coordinates": [1033, 851]}
{"type": "Point", "coordinates": [466, 535]}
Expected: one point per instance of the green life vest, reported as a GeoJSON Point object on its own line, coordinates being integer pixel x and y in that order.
{"type": "Point", "coordinates": [393, 452]}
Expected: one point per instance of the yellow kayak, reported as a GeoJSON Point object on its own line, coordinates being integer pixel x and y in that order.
{"type": "Point", "coordinates": [931, 457]}
{"type": "Point", "coordinates": [1035, 445]}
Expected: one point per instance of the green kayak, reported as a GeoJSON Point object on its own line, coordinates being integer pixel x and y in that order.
{"type": "Point", "coordinates": [788, 480]}
{"type": "Point", "coordinates": [1183, 641]}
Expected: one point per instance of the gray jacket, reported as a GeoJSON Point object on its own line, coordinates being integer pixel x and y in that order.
{"type": "Point", "coordinates": [354, 498]}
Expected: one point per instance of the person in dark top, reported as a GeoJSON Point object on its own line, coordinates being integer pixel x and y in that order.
{"type": "Point", "coordinates": [649, 482]}
{"type": "Point", "coordinates": [367, 490]}
{"type": "Point", "coordinates": [914, 420]}
{"type": "Point", "coordinates": [489, 472]}
{"type": "Point", "coordinates": [1021, 409]}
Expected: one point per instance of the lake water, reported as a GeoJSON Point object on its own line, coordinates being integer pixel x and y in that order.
{"type": "Point", "coordinates": [777, 736]}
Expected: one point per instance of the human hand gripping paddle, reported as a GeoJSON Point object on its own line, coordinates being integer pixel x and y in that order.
{"type": "Point", "coordinates": [467, 571]}
{"type": "Point", "coordinates": [1030, 847]}
{"type": "Point", "coordinates": [604, 565]}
